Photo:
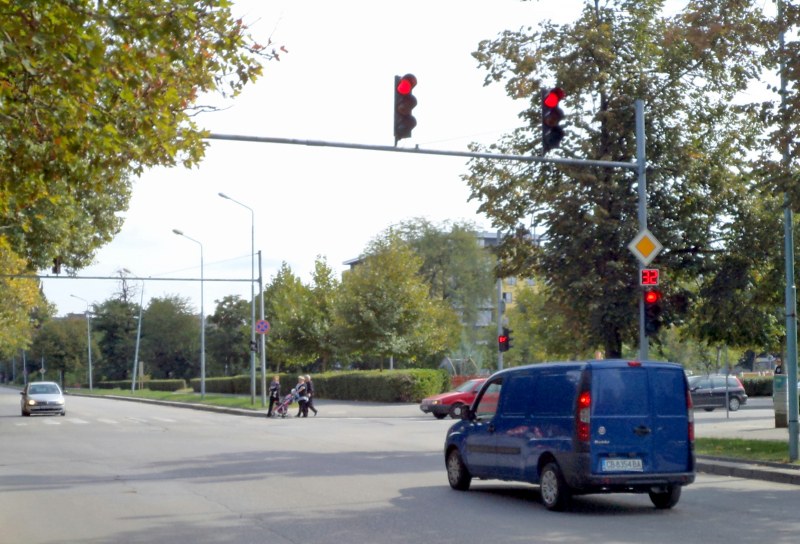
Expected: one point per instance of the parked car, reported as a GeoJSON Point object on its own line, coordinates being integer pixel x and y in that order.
{"type": "Point", "coordinates": [42, 398]}
{"type": "Point", "coordinates": [709, 392]}
{"type": "Point", "coordinates": [611, 426]}
{"type": "Point", "coordinates": [453, 402]}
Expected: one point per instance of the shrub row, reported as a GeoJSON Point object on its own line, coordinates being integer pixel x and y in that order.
{"type": "Point", "coordinates": [153, 385]}
{"type": "Point", "coordinates": [361, 385]}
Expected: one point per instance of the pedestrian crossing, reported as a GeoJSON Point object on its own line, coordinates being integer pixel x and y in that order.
{"type": "Point", "coordinates": [56, 421]}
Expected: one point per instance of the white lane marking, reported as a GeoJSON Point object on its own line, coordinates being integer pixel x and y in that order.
{"type": "Point", "coordinates": [109, 421]}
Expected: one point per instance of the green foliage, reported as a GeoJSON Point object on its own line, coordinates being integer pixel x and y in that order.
{"type": "Point", "coordinates": [228, 337]}
{"type": "Point", "coordinates": [153, 385]}
{"type": "Point", "coordinates": [91, 94]}
{"type": "Point", "coordinates": [62, 344]}
{"type": "Point", "coordinates": [701, 183]}
{"type": "Point", "coordinates": [170, 344]}
{"type": "Point", "coordinates": [384, 311]}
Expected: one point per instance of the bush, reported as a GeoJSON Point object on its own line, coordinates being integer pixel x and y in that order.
{"type": "Point", "coordinates": [760, 386]}
{"type": "Point", "coordinates": [153, 385]}
{"type": "Point", "coordinates": [367, 385]}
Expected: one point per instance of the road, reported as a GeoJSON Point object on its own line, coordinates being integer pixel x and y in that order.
{"type": "Point", "coordinates": [122, 472]}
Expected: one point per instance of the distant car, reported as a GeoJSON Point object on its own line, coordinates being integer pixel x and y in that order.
{"type": "Point", "coordinates": [453, 402]}
{"type": "Point", "coordinates": [42, 398]}
{"type": "Point", "coordinates": [709, 392]}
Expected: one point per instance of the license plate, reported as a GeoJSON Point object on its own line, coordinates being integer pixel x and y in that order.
{"type": "Point", "coordinates": [621, 465]}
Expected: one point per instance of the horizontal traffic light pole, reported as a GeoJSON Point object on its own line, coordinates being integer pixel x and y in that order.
{"type": "Point", "coordinates": [418, 151]}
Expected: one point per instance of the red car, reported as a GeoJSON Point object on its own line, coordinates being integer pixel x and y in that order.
{"type": "Point", "coordinates": [453, 402]}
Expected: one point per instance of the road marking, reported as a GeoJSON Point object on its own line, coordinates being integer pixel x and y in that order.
{"type": "Point", "coordinates": [109, 421]}
{"type": "Point", "coordinates": [78, 421]}
{"type": "Point", "coordinates": [166, 419]}
{"type": "Point", "coordinates": [52, 422]}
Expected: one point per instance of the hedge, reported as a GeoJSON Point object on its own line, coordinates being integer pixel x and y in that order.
{"type": "Point", "coordinates": [363, 385]}
{"type": "Point", "coordinates": [153, 385]}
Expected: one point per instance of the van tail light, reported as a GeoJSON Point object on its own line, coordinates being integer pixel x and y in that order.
{"type": "Point", "coordinates": [690, 410]}
{"type": "Point", "coordinates": [583, 416]}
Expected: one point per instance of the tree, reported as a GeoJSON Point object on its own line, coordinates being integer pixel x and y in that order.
{"type": "Point", "coordinates": [320, 340]}
{"type": "Point", "coordinates": [19, 298]}
{"type": "Point", "coordinates": [62, 344]}
{"type": "Point", "coordinates": [286, 301]}
{"type": "Point", "coordinates": [91, 94]}
{"type": "Point", "coordinates": [457, 269]}
{"type": "Point", "coordinates": [228, 337]}
{"type": "Point", "coordinates": [170, 339]}
{"type": "Point", "coordinates": [384, 310]}
{"type": "Point", "coordinates": [114, 322]}
{"type": "Point", "coordinates": [687, 69]}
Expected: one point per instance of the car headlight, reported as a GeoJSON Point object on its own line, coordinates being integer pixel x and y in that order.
{"type": "Point", "coordinates": [436, 402]}
{"type": "Point", "coordinates": [60, 401]}
{"type": "Point", "coordinates": [31, 402]}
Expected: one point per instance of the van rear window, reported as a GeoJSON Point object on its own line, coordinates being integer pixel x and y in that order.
{"type": "Point", "coordinates": [670, 393]}
{"type": "Point", "coordinates": [619, 391]}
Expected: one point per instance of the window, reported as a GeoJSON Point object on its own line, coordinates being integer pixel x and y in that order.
{"type": "Point", "coordinates": [487, 405]}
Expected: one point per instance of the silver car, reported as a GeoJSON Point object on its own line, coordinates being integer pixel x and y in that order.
{"type": "Point", "coordinates": [42, 398]}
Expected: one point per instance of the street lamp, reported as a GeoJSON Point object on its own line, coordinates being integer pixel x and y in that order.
{"type": "Point", "coordinates": [88, 336]}
{"type": "Point", "coordinates": [202, 318]}
{"type": "Point", "coordinates": [252, 296]}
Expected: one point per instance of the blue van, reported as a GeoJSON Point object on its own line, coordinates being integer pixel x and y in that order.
{"type": "Point", "coordinates": [607, 426]}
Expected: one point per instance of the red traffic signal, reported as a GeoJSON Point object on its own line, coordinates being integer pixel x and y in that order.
{"type": "Point", "coordinates": [404, 102]}
{"type": "Point", "coordinates": [651, 297]}
{"type": "Point", "coordinates": [552, 115]}
{"type": "Point", "coordinates": [504, 340]}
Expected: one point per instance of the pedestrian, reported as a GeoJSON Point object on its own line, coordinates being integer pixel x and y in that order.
{"type": "Point", "coordinates": [310, 394]}
{"type": "Point", "coordinates": [301, 393]}
{"type": "Point", "coordinates": [274, 393]}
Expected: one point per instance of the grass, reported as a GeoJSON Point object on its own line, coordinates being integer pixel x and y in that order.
{"type": "Point", "coordinates": [736, 448]}
{"type": "Point", "coordinates": [184, 395]}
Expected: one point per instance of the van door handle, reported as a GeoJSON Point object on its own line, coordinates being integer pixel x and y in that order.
{"type": "Point", "coordinates": [642, 430]}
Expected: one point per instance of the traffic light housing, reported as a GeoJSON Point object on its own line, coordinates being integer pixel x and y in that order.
{"type": "Point", "coordinates": [504, 340]}
{"type": "Point", "coordinates": [652, 311]}
{"type": "Point", "coordinates": [404, 102]}
{"type": "Point", "coordinates": [552, 115]}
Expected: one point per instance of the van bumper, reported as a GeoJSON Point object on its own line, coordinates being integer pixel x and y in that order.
{"type": "Point", "coordinates": [581, 479]}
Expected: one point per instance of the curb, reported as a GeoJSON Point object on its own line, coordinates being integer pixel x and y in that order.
{"type": "Point", "coordinates": [769, 472]}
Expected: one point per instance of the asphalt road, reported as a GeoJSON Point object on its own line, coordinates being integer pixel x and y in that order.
{"type": "Point", "coordinates": [125, 472]}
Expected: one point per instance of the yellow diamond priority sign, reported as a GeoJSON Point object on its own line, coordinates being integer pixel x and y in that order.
{"type": "Point", "coordinates": [645, 246]}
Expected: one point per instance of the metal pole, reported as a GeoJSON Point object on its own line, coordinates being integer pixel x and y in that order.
{"type": "Point", "coordinates": [791, 288]}
{"type": "Point", "coordinates": [263, 338]}
{"type": "Point", "coordinates": [500, 309]}
{"type": "Point", "coordinates": [202, 316]}
{"type": "Point", "coordinates": [642, 213]}
{"type": "Point", "coordinates": [88, 336]}
{"type": "Point", "coordinates": [252, 296]}
{"type": "Point", "coordinates": [138, 338]}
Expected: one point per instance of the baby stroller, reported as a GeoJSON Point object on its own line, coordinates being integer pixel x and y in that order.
{"type": "Point", "coordinates": [283, 407]}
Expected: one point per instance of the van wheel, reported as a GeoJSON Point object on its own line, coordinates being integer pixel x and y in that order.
{"type": "Point", "coordinates": [733, 404]}
{"type": "Point", "coordinates": [457, 473]}
{"type": "Point", "coordinates": [457, 410]}
{"type": "Point", "coordinates": [439, 416]}
{"type": "Point", "coordinates": [555, 491]}
{"type": "Point", "coordinates": [666, 499]}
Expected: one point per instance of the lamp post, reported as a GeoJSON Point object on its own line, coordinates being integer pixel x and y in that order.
{"type": "Point", "coordinates": [138, 338]}
{"type": "Point", "coordinates": [202, 318]}
{"type": "Point", "coordinates": [88, 336]}
{"type": "Point", "coordinates": [252, 296]}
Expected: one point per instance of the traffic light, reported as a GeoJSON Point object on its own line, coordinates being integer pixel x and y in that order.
{"type": "Point", "coordinates": [552, 133]}
{"type": "Point", "coordinates": [504, 340]}
{"type": "Point", "coordinates": [404, 102]}
{"type": "Point", "coordinates": [652, 311]}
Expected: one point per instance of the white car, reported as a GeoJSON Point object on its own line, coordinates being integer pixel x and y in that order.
{"type": "Point", "coordinates": [42, 398]}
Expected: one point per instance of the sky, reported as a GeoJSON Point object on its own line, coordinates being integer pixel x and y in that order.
{"type": "Point", "coordinates": [334, 85]}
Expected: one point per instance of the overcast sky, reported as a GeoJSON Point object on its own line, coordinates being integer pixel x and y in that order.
{"type": "Point", "coordinates": [335, 84]}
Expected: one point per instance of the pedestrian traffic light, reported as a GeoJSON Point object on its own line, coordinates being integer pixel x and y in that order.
{"type": "Point", "coordinates": [504, 340]}
{"type": "Point", "coordinates": [552, 133]}
{"type": "Point", "coordinates": [404, 102]}
{"type": "Point", "coordinates": [652, 311]}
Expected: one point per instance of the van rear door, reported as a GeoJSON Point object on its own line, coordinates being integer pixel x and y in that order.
{"type": "Point", "coordinates": [639, 421]}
